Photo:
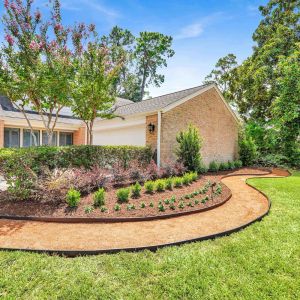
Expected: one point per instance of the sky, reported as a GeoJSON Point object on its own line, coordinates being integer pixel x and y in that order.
{"type": "Point", "coordinates": [203, 30]}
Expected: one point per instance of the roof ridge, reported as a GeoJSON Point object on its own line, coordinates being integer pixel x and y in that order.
{"type": "Point", "coordinates": [198, 86]}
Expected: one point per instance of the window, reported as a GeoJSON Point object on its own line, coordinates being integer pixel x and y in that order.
{"type": "Point", "coordinates": [45, 138]}
{"type": "Point", "coordinates": [11, 137]}
{"type": "Point", "coordinates": [65, 138]}
{"type": "Point", "coordinates": [28, 140]}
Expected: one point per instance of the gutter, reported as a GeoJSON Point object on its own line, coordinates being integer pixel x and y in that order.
{"type": "Point", "coordinates": [158, 137]}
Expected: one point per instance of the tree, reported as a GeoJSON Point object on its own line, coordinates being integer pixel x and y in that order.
{"type": "Point", "coordinates": [151, 53]}
{"type": "Point", "coordinates": [92, 87]}
{"type": "Point", "coordinates": [36, 69]}
{"type": "Point", "coordinates": [189, 146]}
{"type": "Point", "coordinates": [286, 107]}
{"type": "Point", "coordinates": [223, 74]}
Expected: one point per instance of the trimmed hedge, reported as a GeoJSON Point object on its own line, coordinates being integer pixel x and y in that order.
{"type": "Point", "coordinates": [22, 167]}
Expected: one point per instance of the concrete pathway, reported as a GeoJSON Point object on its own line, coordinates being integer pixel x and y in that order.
{"type": "Point", "coordinates": [246, 205]}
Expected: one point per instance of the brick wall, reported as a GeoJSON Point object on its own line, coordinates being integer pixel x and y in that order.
{"type": "Point", "coordinates": [79, 136]}
{"type": "Point", "coordinates": [151, 138]}
{"type": "Point", "coordinates": [1, 133]}
{"type": "Point", "coordinates": [217, 127]}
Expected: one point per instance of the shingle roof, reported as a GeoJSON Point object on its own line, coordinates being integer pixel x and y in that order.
{"type": "Point", "coordinates": [156, 103]}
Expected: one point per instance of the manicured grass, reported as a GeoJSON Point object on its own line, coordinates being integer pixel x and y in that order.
{"type": "Point", "coordinates": [260, 262]}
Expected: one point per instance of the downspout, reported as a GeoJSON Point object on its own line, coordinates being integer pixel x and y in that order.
{"type": "Point", "coordinates": [158, 138]}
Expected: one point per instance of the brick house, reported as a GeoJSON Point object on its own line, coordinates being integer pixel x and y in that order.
{"type": "Point", "coordinates": [154, 122]}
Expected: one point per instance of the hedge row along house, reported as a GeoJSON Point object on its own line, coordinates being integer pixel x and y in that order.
{"type": "Point", "coordinates": [154, 122]}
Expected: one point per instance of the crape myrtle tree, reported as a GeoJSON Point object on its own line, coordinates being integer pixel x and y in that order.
{"type": "Point", "coordinates": [36, 63]}
{"type": "Point", "coordinates": [93, 93]}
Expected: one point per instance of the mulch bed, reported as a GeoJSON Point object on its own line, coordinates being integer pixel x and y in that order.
{"type": "Point", "coordinates": [33, 208]}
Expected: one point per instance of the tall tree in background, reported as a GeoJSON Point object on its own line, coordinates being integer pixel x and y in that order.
{"type": "Point", "coordinates": [144, 56]}
{"type": "Point", "coordinates": [223, 74]}
{"type": "Point", "coordinates": [151, 53]}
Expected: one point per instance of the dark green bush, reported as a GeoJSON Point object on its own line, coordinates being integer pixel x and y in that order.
{"type": "Point", "coordinates": [22, 167]}
{"type": "Point", "coordinates": [213, 166]}
{"type": "Point", "coordinates": [247, 150]}
{"type": "Point", "coordinates": [223, 166]}
{"type": "Point", "coordinates": [189, 146]}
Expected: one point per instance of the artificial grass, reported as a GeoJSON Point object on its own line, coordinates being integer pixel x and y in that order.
{"type": "Point", "coordinates": [260, 262]}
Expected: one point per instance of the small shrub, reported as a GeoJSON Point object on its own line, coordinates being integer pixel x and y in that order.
{"type": "Point", "coordinates": [190, 204]}
{"type": "Point", "coordinates": [230, 165]}
{"type": "Point", "coordinates": [223, 166]}
{"type": "Point", "coordinates": [130, 207]}
{"type": "Point", "coordinates": [88, 209]}
{"type": "Point", "coordinates": [172, 206]}
{"type": "Point", "coordinates": [167, 201]}
{"type": "Point", "coordinates": [196, 202]}
{"type": "Point", "coordinates": [218, 190]}
{"type": "Point", "coordinates": [143, 205]}
{"type": "Point", "coordinates": [181, 204]}
{"type": "Point", "coordinates": [99, 197]}
{"type": "Point", "coordinates": [123, 195]}
{"type": "Point", "coordinates": [169, 184]}
{"type": "Point", "coordinates": [213, 166]}
{"type": "Point", "coordinates": [238, 164]}
{"type": "Point", "coordinates": [151, 204]}
{"type": "Point", "coordinates": [177, 182]}
{"type": "Point", "coordinates": [202, 169]}
{"type": "Point", "coordinates": [160, 185]}
{"type": "Point", "coordinates": [103, 209]}
{"type": "Point", "coordinates": [161, 207]}
{"type": "Point", "coordinates": [73, 198]}
{"type": "Point", "coordinates": [204, 200]}
{"type": "Point", "coordinates": [173, 199]}
{"type": "Point", "coordinates": [186, 179]}
{"type": "Point", "coordinates": [136, 190]}
{"type": "Point", "coordinates": [117, 207]}
{"type": "Point", "coordinates": [194, 176]}
{"type": "Point", "coordinates": [149, 186]}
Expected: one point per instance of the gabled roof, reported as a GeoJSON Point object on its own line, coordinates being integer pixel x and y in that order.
{"type": "Point", "coordinates": [157, 103]}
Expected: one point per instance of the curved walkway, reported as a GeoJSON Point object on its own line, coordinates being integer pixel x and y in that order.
{"type": "Point", "coordinates": [245, 206]}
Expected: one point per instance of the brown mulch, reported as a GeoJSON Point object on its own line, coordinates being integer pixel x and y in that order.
{"type": "Point", "coordinates": [54, 209]}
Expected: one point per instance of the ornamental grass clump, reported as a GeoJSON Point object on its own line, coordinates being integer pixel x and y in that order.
{"type": "Point", "coordinates": [160, 185]}
{"type": "Point", "coordinates": [136, 190]}
{"type": "Point", "coordinates": [123, 195]}
{"type": "Point", "coordinates": [73, 198]}
{"type": "Point", "coordinates": [149, 186]}
{"type": "Point", "coordinates": [99, 197]}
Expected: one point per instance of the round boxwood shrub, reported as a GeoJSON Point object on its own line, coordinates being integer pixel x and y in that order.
{"type": "Point", "coordinates": [123, 195]}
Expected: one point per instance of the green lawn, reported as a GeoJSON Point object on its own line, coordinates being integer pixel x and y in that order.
{"type": "Point", "coordinates": [260, 262]}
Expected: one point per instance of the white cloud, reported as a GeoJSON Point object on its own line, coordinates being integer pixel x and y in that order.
{"type": "Point", "coordinates": [190, 31]}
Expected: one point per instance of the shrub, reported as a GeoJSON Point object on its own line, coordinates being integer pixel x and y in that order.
{"type": "Point", "coordinates": [223, 166]}
{"type": "Point", "coordinates": [151, 204]}
{"type": "Point", "coordinates": [99, 197]}
{"type": "Point", "coordinates": [247, 150]}
{"type": "Point", "coordinates": [188, 150]}
{"type": "Point", "coordinates": [218, 190]}
{"type": "Point", "coordinates": [202, 169]}
{"type": "Point", "coordinates": [172, 206]}
{"type": "Point", "coordinates": [149, 186]}
{"type": "Point", "coordinates": [186, 179]}
{"type": "Point", "coordinates": [143, 205]}
{"type": "Point", "coordinates": [136, 190]}
{"type": "Point", "coordinates": [161, 207]}
{"type": "Point", "coordinates": [103, 209]}
{"type": "Point", "coordinates": [73, 198]}
{"type": "Point", "coordinates": [130, 207]}
{"type": "Point", "coordinates": [177, 182]}
{"type": "Point", "coordinates": [169, 184]}
{"type": "Point", "coordinates": [160, 185]}
{"type": "Point", "coordinates": [123, 195]}
{"type": "Point", "coordinates": [238, 164]}
{"type": "Point", "coordinates": [194, 176]}
{"type": "Point", "coordinates": [117, 207]}
{"type": "Point", "coordinates": [88, 209]}
{"type": "Point", "coordinates": [181, 204]}
{"type": "Point", "coordinates": [231, 165]}
{"type": "Point", "coordinates": [213, 166]}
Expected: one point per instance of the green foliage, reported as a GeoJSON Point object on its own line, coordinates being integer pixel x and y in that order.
{"type": "Point", "coordinates": [169, 183]}
{"type": "Point", "coordinates": [88, 209]}
{"type": "Point", "coordinates": [223, 166]}
{"type": "Point", "coordinates": [151, 204]}
{"type": "Point", "coordinates": [202, 169]}
{"type": "Point", "coordinates": [238, 163]}
{"type": "Point", "coordinates": [177, 182]}
{"type": "Point", "coordinates": [103, 209]}
{"type": "Point", "coordinates": [123, 195]}
{"type": "Point", "coordinates": [117, 207]}
{"type": "Point", "coordinates": [186, 179]}
{"type": "Point", "coordinates": [22, 167]}
{"type": "Point", "coordinates": [188, 150]}
{"type": "Point", "coordinates": [181, 204]}
{"type": "Point", "coordinates": [161, 208]}
{"type": "Point", "coordinates": [247, 151]}
{"type": "Point", "coordinates": [130, 207]}
{"type": "Point", "coordinates": [149, 186]}
{"type": "Point", "coordinates": [73, 198]}
{"type": "Point", "coordinates": [143, 205]}
{"type": "Point", "coordinates": [160, 185]}
{"type": "Point", "coordinates": [99, 197]}
{"type": "Point", "coordinates": [136, 190]}
{"type": "Point", "coordinates": [231, 165]}
{"type": "Point", "coordinates": [213, 166]}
